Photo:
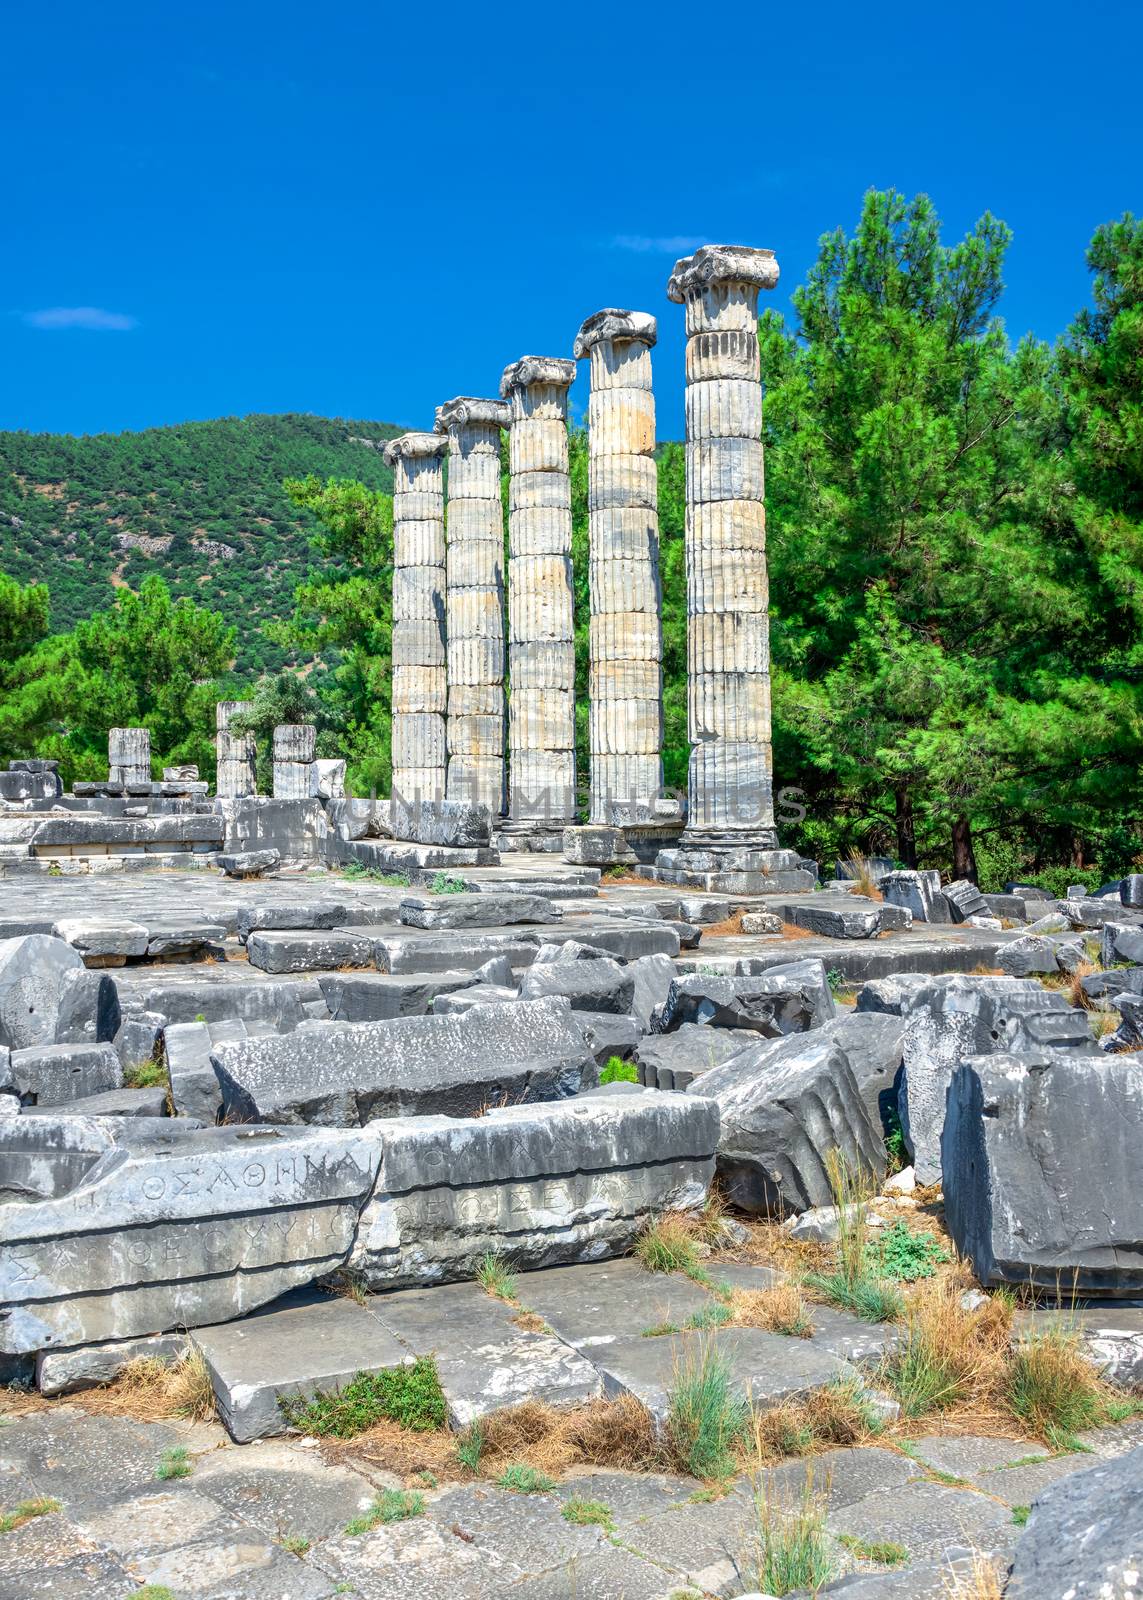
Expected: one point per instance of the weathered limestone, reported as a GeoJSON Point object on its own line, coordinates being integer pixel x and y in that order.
{"type": "Point", "coordinates": [625, 711]}
{"type": "Point", "coordinates": [295, 745]}
{"type": "Point", "coordinates": [730, 776]}
{"type": "Point", "coordinates": [237, 776]}
{"type": "Point", "coordinates": [128, 755]}
{"type": "Point", "coordinates": [542, 1184]}
{"type": "Point", "coordinates": [1040, 1154]}
{"type": "Point", "coordinates": [169, 1228]}
{"type": "Point", "coordinates": [541, 720]}
{"type": "Point", "coordinates": [420, 679]}
{"type": "Point", "coordinates": [475, 600]}
{"type": "Point", "coordinates": [1084, 1537]}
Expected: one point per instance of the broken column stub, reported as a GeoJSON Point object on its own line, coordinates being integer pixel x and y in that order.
{"type": "Point", "coordinates": [128, 755]}
{"type": "Point", "coordinates": [625, 707]}
{"type": "Point", "coordinates": [167, 1229]}
{"type": "Point", "coordinates": [475, 600]}
{"type": "Point", "coordinates": [730, 781]}
{"type": "Point", "coordinates": [295, 745]}
{"type": "Point", "coordinates": [420, 684]}
{"type": "Point", "coordinates": [573, 1180]}
{"type": "Point", "coordinates": [541, 712]}
{"type": "Point", "coordinates": [237, 775]}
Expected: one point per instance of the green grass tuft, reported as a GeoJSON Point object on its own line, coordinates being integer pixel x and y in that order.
{"type": "Point", "coordinates": [146, 1075]}
{"type": "Point", "coordinates": [871, 1299]}
{"type": "Point", "coordinates": [470, 1446]}
{"type": "Point", "coordinates": [588, 1513]}
{"type": "Point", "coordinates": [296, 1543]}
{"type": "Point", "coordinates": [619, 1071]}
{"type": "Point", "coordinates": [666, 1245]}
{"type": "Point", "coordinates": [174, 1463]}
{"type": "Point", "coordinates": [706, 1421]}
{"type": "Point", "coordinates": [1020, 1515]}
{"type": "Point", "coordinates": [525, 1480]}
{"type": "Point", "coordinates": [409, 1395]}
{"type": "Point", "coordinates": [391, 1505]}
{"type": "Point", "coordinates": [793, 1546]}
{"type": "Point", "coordinates": [25, 1511]}
{"type": "Point", "coordinates": [443, 884]}
{"type": "Point", "coordinates": [883, 1551]}
{"type": "Point", "coordinates": [494, 1278]}
{"type": "Point", "coordinates": [716, 1315]}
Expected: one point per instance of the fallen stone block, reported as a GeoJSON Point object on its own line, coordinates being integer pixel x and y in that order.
{"type": "Point", "coordinates": [174, 936]}
{"type": "Point", "coordinates": [259, 1003]}
{"type": "Point", "coordinates": [786, 999]}
{"type": "Point", "coordinates": [290, 1353]}
{"type": "Point", "coordinates": [965, 900]}
{"type": "Point", "coordinates": [597, 846]}
{"type": "Point", "coordinates": [407, 1066]}
{"type": "Point", "coordinates": [109, 1103]}
{"type": "Point", "coordinates": [953, 1018]}
{"type": "Point", "coordinates": [478, 994]}
{"type": "Point", "coordinates": [571, 1180]}
{"type": "Point", "coordinates": [674, 1060]}
{"type": "Point", "coordinates": [51, 1075]}
{"type": "Point", "coordinates": [838, 921]}
{"type": "Point", "coordinates": [31, 978]}
{"type": "Point", "coordinates": [894, 996]}
{"type": "Point", "coordinates": [87, 1008]}
{"type": "Point", "coordinates": [601, 985]}
{"type": "Point", "coordinates": [1023, 957]}
{"type": "Point", "coordinates": [1040, 1157]}
{"type": "Point", "coordinates": [1121, 941]}
{"type": "Point", "coordinates": [307, 952]}
{"type": "Point", "coordinates": [785, 1104]}
{"type": "Point", "coordinates": [139, 1038]}
{"type": "Point", "coordinates": [103, 943]}
{"type": "Point", "coordinates": [487, 910]}
{"type": "Point", "coordinates": [653, 977]}
{"type": "Point", "coordinates": [172, 1229]}
{"type": "Point", "coordinates": [761, 922]}
{"type": "Point", "coordinates": [607, 1034]}
{"type": "Point", "coordinates": [43, 1157]}
{"type": "Point", "coordinates": [1084, 1537]}
{"type": "Point", "coordinates": [436, 952]}
{"type": "Point", "coordinates": [918, 892]}
{"type": "Point", "coordinates": [91, 1366]}
{"type": "Point", "coordinates": [873, 1043]}
{"type": "Point", "coordinates": [249, 863]}
{"type": "Point", "coordinates": [194, 1082]}
{"type": "Point", "coordinates": [453, 823]}
{"type": "Point", "coordinates": [1089, 912]}
{"type": "Point", "coordinates": [377, 996]}
{"type": "Point", "coordinates": [625, 938]}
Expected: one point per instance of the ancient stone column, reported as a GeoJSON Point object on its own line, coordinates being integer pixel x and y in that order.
{"type": "Point", "coordinates": [295, 745]}
{"type": "Point", "coordinates": [128, 755]}
{"type": "Point", "coordinates": [475, 600]}
{"type": "Point", "coordinates": [625, 710]}
{"type": "Point", "coordinates": [237, 774]}
{"type": "Point", "coordinates": [728, 637]}
{"type": "Point", "coordinates": [420, 684]}
{"type": "Point", "coordinates": [541, 649]}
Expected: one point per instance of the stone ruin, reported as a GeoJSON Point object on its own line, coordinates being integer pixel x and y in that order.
{"type": "Point", "coordinates": [364, 1039]}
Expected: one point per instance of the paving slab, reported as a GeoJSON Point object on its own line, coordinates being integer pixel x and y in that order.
{"type": "Point", "coordinates": [284, 1486]}
{"type": "Point", "coordinates": [843, 1476]}
{"type": "Point", "coordinates": [240, 1568]}
{"type": "Point", "coordinates": [484, 1359]}
{"type": "Point", "coordinates": [72, 1455]}
{"type": "Point", "coordinates": [528, 1527]}
{"type": "Point", "coordinates": [419, 1559]}
{"type": "Point", "coordinates": [963, 1455]}
{"type": "Point", "coordinates": [142, 1524]}
{"type": "Point", "coordinates": [256, 1360]}
{"type": "Point", "coordinates": [926, 1518]}
{"type": "Point", "coordinates": [1021, 1486]}
{"type": "Point", "coordinates": [87, 1576]}
{"type": "Point", "coordinates": [612, 1574]}
{"type": "Point", "coordinates": [592, 1306]}
{"type": "Point", "coordinates": [849, 1338]}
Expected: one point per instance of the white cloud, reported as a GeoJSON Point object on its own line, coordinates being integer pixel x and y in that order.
{"type": "Point", "coordinates": [93, 318]}
{"type": "Point", "coordinates": [675, 244]}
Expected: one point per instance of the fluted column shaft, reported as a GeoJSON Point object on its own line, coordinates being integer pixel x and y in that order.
{"type": "Point", "coordinates": [420, 691]}
{"type": "Point", "coordinates": [237, 774]}
{"type": "Point", "coordinates": [295, 745]}
{"type": "Point", "coordinates": [625, 710]}
{"type": "Point", "coordinates": [475, 600]}
{"type": "Point", "coordinates": [730, 778]}
{"type": "Point", "coordinates": [541, 708]}
{"type": "Point", "coordinates": [129, 755]}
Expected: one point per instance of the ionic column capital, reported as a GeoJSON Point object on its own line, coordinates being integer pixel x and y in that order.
{"type": "Point", "coordinates": [722, 263]}
{"type": "Point", "coordinates": [466, 411]}
{"type": "Point", "coordinates": [556, 371]}
{"type": "Point", "coordinates": [610, 326]}
{"type": "Point", "coordinates": [414, 447]}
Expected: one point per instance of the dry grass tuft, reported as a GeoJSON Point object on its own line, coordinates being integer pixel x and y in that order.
{"type": "Point", "coordinates": [862, 875]}
{"type": "Point", "coordinates": [949, 1357]}
{"type": "Point", "coordinates": [780, 1309]}
{"type": "Point", "coordinates": [728, 928]}
{"type": "Point", "coordinates": [983, 1582]}
{"type": "Point", "coordinates": [789, 931]}
{"type": "Point", "coordinates": [1070, 984]}
{"type": "Point", "coordinates": [404, 1451]}
{"type": "Point", "coordinates": [150, 1390]}
{"type": "Point", "coordinates": [825, 1419]}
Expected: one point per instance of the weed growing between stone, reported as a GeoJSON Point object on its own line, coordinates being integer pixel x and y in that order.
{"type": "Point", "coordinates": [666, 1244]}
{"type": "Point", "coordinates": [619, 1071]}
{"type": "Point", "coordinates": [26, 1511]}
{"type": "Point", "coordinates": [470, 1446]}
{"type": "Point", "coordinates": [146, 1075]}
{"type": "Point", "coordinates": [151, 1390]}
{"type": "Point", "coordinates": [827, 1418]}
{"type": "Point", "coordinates": [905, 1256]}
{"type": "Point", "coordinates": [948, 1356]}
{"type": "Point", "coordinates": [392, 880]}
{"type": "Point", "coordinates": [174, 1463]}
{"type": "Point", "coordinates": [1055, 1392]}
{"type": "Point", "coordinates": [443, 884]}
{"type": "Point", "coordinates": [793, 1548]}
{"type": "Point", "coordinates": [883, 1551]}
{"type": "Point", "coordinates": [296, 1544]}
{"type": "Point", "coordinates": [706, 1422]}
{"type": "Point", "coordinates": [855, 1283]}
{"type": "Point", "coordinates": [522, 1479]}
{"type": "Point", "coordinates": [588, 1513]}
{"type": "Point", "coordinates": [1020, 1515]}
{"type": "Point", "coordinates": [154, 1591]}
{"type": "Point", "coordinates": [391, 1505]}
{"type": "Point", "coordinates": [494, 1278]}
{"type": "Point", "coordinates": [780, 1309]}
{"type": "Point", "coordinates": [410, 1396]}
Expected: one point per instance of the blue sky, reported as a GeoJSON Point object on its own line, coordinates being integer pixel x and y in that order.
{"type": "Point", "coordinates": [361, 211]}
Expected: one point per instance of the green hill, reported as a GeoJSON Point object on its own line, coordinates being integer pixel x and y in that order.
{"type": "Point", "coordinates": [200, 503]}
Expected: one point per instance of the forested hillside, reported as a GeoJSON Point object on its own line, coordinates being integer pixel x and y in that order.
{"type": "Point", "coordinates": [201, 504]}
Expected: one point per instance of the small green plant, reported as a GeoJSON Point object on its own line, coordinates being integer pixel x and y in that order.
{"type": "Point", "coordinates": [588, 1513]}
{"type": "Point", "coordinates": [619, 1071]}
{"type": "Point", "coordinates": [494, 1278]}
{"type": "Point", "coordinates": [25, 1511]}
{"type": "Point", "coordinates": [666, 1245]}
{"type": "Point", "coordinates": [470, 1446]}
{"type": "Point", "coordinates": [898, 1155]}
{"type": "Point", "coordinates": [853, 1284]}
{"type": "Point", "coordinates": [522, 1479]}
{"type": "Point", "coordinates": [146, 1075]}
{"type": "Point", "coordinates": [297, 1544]}
{"type": "Point", "coordinates": [793, 1546]}
{"type": "Point", "coordinates": [715, 1315]}
{"type": "Point", "coordinates": [174, 1463]}
{"type": "Point", "coordinates": [391, 1505]}
{"type": "Point", "coordinates": [706, 1421]}
{"type": "Point", "coordinates": [1053, 1390]}
{"type": "Point", "coordinates": [883, 1551]}
{"type": "Point", "coordinates": [836, 981]}
{"type": "Point", "coordinates": [200, 1016]}
{"type": "Point", "coordinates": [659, 1329]}
{"type": "Point", "coordinates": [443, 884]}
{"type": "Point", "coordinates": [154, 1591]}
{"type": "Point", "coordinates": [867, 1298]}
{"type": "Point", "coordinates": [429, 1479]}
{"type": "Point", "coordinates": [905, 1256]}
{"type": "Point", "coordinates": [410, 1396]}
{"type": "Point", "coordinates": [1020, 1515]}
{"type": "Point", "coordinates": [358, 870]}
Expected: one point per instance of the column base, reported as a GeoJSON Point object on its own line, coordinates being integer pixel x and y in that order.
{"type": "Point", "coordinates": [721, 863]}
{"type": "Point", "coordinates": [521, 834]}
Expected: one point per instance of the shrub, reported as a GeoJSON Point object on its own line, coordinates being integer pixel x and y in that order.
{"type": "Point", "coordinates": [706, 1422]}
{"type": "Point", "coordinates": [619, 1071]}
{"type": "Point", "coordinates": [409, 1395]}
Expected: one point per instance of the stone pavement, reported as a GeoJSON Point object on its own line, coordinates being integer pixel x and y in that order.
{"type": "Point", "coordinates": [228, 1530]}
